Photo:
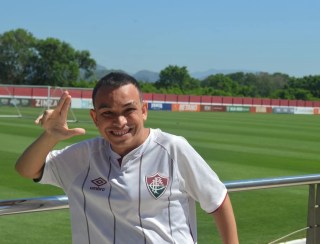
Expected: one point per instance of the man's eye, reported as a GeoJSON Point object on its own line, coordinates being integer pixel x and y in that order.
{"type": "Point", "coordinates": [130, 110]}
{"type": "Point", "coordinates": [106, 113]}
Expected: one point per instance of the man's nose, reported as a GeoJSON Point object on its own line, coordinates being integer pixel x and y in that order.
{"type": "Point", "coordinates": [120, 120]}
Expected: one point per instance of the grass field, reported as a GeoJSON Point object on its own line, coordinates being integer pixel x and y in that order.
{"type": "Point", "coordinates": [237, 146]}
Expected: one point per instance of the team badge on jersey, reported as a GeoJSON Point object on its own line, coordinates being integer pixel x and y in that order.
{"type": "Point", "coordinates": [157, 185]}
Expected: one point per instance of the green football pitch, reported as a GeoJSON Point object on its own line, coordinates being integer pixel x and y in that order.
{"type": "Point", "coordinates": [237, 146]}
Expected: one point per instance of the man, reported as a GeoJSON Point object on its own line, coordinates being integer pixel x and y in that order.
{"type": "Point", "coordinates": [133, 184]}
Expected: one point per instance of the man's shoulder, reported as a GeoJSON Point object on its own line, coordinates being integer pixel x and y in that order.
{"type": "Point", "coordinates": [167, 139]}
{"type": "Point", "coordinates": [91, 144]}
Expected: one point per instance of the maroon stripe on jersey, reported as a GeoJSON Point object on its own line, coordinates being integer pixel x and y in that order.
{"type": "Point", "coordinates": [109, 196]}
{"type": "Point", "coordinates": [85, 203]}
{"type": "Point", "coordinates": [192, 235]}
{"type": "Point", "coordinates": [170, 193]}
{"type": "Point", "coordinates": [141, 179]}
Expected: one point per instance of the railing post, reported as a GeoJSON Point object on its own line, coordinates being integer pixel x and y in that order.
{"type": "Point", "coordinates": [313, 233]}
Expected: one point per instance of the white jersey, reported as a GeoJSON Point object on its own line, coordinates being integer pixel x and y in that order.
{"type": "Point", "coordinates": [150, 198]}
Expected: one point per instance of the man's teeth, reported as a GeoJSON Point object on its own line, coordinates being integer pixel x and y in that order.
{"type": "Point", "coordinates": [120, 133]}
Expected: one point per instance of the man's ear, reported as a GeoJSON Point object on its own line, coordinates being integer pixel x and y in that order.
{"type": "Point", "coordinates": [145, 111]}
{"type": "Point", "coordinates": [93, 115]}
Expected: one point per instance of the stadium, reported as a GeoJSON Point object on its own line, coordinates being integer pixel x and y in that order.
{"type": "Point", "coordinates": [266, 151]}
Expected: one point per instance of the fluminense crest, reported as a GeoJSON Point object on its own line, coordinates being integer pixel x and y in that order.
{"type": "Point", "coordinates": [157, 184]}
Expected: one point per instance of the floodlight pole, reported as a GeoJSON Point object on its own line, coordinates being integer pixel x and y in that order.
{"type": "Point", "coordinates": [313, 232]}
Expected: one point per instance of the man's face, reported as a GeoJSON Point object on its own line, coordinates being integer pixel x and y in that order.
{"type": "Point", "coordinates": [120, 115]}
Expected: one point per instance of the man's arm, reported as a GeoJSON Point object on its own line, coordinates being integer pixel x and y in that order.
{"type": "Point", "coordinates": [226, 223]}
{"type": "Point", "coordinates": [30, 163]}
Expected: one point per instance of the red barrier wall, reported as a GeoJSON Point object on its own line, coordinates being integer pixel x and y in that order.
{"type": "Point", "coordinates": [292, 103]}
{"type": "Point", "coordinates": [256, 101]}
{"type": "Point", "coordinates": [284, 102]}
{"type": "Point", "coordinates": [171, 98]}
{"type": "Point", "coordinates": [227, 100]}
{"type": "Point", "coordinates": [247, 101]}
{"type": "Point", "coordinates": [183, 98]}
{"type": "Point", "coordinates": [266, 101]}
{"type": "Point", "coordinates": [217, 99]}
{"type": "Point", "coordinates": [301, 103]}
{"type": "Point", "coordinates": [22, 91]}
{"type": "Point", "coordinates": [29, 91]}
{"type": "Point", "coordinates": [206, 99]}
{"type": "Point", "coordinates": [275, 102]}
{"type": "Point", "coordinates": [86, 94]}
{"type": "Point", "coordinates": [158, 97]}
{"type": "Point", "coordinates": [316, 104]}
{"type": "Point", "coordinates": [40, 92]}
{"type": "Point", "coordinates": [308, 104]}
{"type": "Point", "coordinates": [195, 99]}
{"type": "Point", "coordinates": [237, 100]}
{"type": "Point", "coordinates": [5, 90]}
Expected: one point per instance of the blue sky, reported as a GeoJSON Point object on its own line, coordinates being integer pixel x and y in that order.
{"type": "Point", "coordinates": [255, 35]}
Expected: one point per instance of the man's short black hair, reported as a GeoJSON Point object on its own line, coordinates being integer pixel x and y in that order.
{"type": "Point", "coordinates": [115, 80]}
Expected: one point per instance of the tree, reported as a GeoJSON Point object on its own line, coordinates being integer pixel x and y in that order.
{"type": "Point", "coordinates": [267, 84]}
{"type": "Point", "coordinates": [147, 87]}
{"type": "Point", "coordinates": [58, 64]}
{"type": "Point", "coordinates": [221, 85]}
{"type": "Point", "coordinates": [303, 94]}
{"type": "Point", "coordinates": [17, 48]}
{"type": "Point", "coordinates": [176, 77]}
{"type": "Point", "coordinates": [27, 60]}
{"type": "Point", "coordinates": [312, 84]}
{"type": "Point", "coordinates": [86, 63]}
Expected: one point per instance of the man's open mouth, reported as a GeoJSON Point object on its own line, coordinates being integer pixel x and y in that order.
{"type": "Point", "coordinates": [120, 132]}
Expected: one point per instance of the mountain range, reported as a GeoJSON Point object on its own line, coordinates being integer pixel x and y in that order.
{"type": "Point", "coordinates": [151, 76]}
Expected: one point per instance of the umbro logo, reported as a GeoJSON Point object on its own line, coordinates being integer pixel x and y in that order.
{"type": "Point", "coordinates": [98, 182]}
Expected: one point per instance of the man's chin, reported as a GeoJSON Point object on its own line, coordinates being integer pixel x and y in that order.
{"type": "Point", "coordinates": [120, 140]}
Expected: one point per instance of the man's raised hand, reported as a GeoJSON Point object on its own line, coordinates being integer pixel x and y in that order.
{"type": "Point", "coordinates": [55, 121]}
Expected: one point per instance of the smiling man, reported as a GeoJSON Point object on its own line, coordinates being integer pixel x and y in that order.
{"type": "Point", "coordinates": [131, 184]}
{"type": "Point", "coordinates": [119, 114]}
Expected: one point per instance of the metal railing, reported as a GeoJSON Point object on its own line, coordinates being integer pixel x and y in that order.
{"type": "Point", "coordinates": [17, 206]}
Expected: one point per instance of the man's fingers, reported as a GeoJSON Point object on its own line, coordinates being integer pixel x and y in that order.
{"type": "Point", "coordinates": [73, 132]}
{"type": "Point", "coordinates": [41, 118]}
{"type": "Point", "coordinates": [77, 131]}
{"type": "Point", "coordinates": [62, 100]}
{"type": "Point", "coordinates": [65, 107]}
{"type": "Point", "coordinates": [38, 120]}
